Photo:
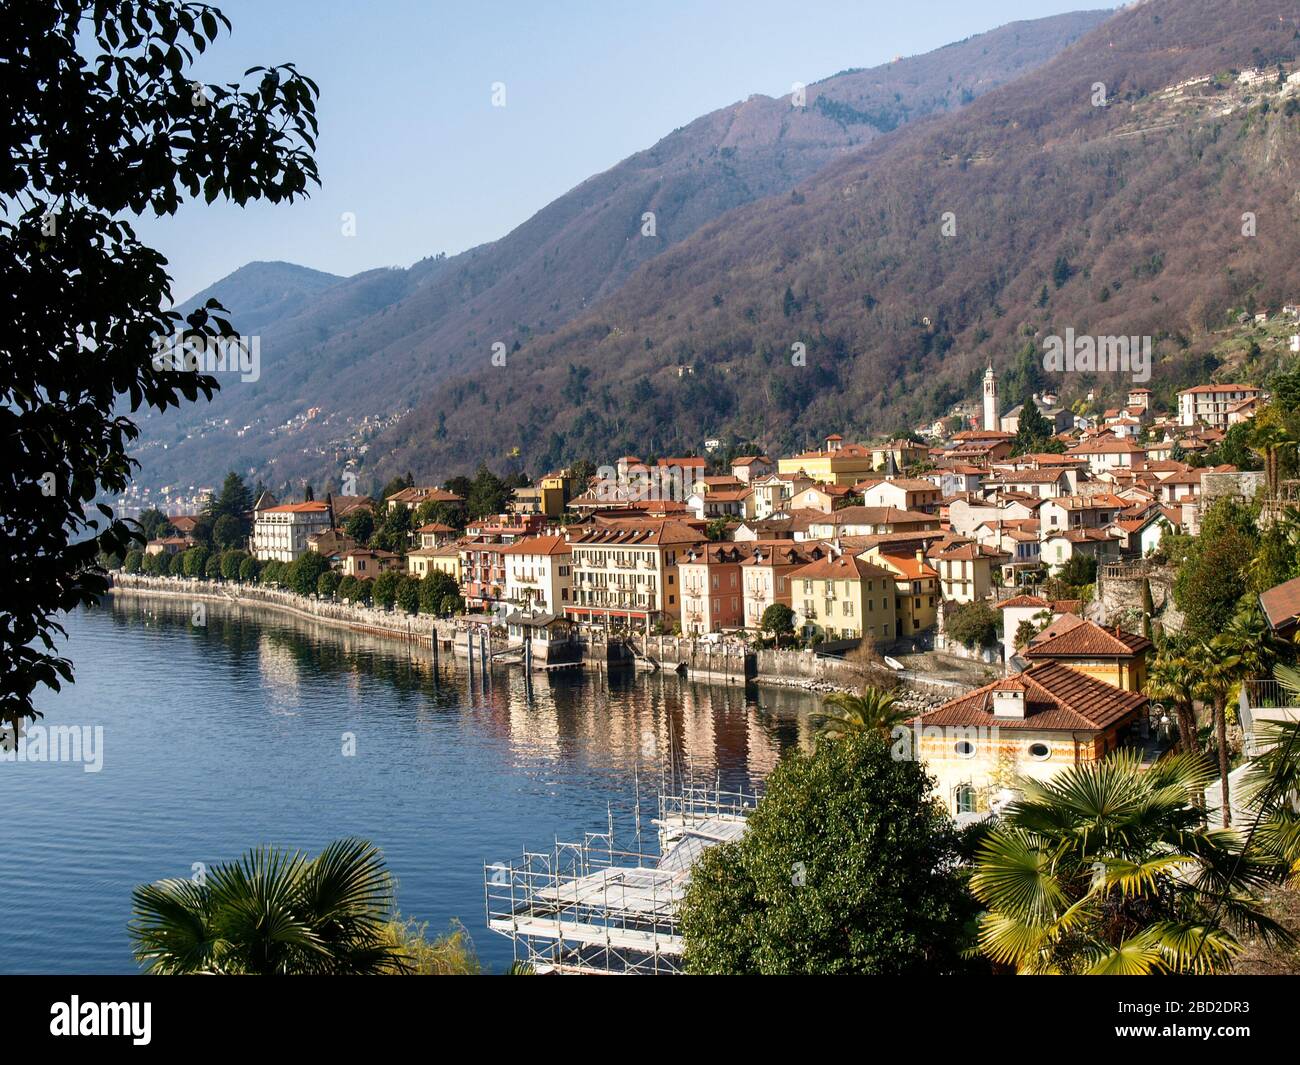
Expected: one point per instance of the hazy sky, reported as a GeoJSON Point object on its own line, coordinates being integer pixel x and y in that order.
{"type": "Point", "coordinates": [412, 145]}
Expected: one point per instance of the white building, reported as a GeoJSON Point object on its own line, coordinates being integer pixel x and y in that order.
{"type": "Point", "coordinates": [1210, 403]}
{"type": "Point", "coordinates": [539, 574]}
{"type": "Point", "coordinates": [280, 533]}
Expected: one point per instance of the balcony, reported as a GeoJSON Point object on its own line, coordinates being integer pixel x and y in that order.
{"type": "Point", "coordinates": [1261, 701]}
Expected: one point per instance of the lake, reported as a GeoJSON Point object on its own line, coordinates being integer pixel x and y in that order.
{"type": "Point", "coordinates": [221, 736]}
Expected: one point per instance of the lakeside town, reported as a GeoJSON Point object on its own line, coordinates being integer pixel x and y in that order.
{"type": "Point", "coordinates": [851, 530]}
{"type": "Point", "coordinates": [1023, 554]}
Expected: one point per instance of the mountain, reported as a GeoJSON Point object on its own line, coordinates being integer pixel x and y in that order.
{"type": "Point", "coordinates": [265, 293]}
{"type": "Point", "coordinates": [1126, 218]}
{"type": "Point", "coordinates": [363, 352]}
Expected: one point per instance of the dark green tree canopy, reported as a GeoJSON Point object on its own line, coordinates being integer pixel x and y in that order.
{"type": "Point", "coordinates": [848, 866]}
{"type": "Point", "coordinates": [102, 121]}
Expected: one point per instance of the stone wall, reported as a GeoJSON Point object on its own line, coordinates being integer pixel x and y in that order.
{"type": "Point", "coordinates": [419, 628]}
{"type": "Point", "coordinates": [1118, 598]}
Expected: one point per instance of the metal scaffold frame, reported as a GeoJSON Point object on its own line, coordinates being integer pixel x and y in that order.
{"type": "Point", "coordinates": [589, 907]}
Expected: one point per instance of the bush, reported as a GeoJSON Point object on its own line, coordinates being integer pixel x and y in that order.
{"type": "Point", "coordinates": [974, 625]}
{"type": "Point", "coordinates": [848, 866]}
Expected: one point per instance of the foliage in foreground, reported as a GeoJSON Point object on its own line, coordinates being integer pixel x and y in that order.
{"type": "Point", "coordinates": [847, 867]}
{"type": "Point", "coordinates": [273, 912]}
{"type": "Point", "coordinates": [1108, 870]}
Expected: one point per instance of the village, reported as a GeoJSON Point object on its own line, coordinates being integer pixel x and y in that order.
{"type": "Point", "coordinates": [1011, 555]}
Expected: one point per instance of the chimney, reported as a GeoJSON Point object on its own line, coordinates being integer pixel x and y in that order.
{"type": "Point", "coordinates": [1009, 698]}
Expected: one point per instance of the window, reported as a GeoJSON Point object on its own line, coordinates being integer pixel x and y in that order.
{"type": "Point", "coordinates": [1040, 752]}
{"type": "Point", "coordinates": [964, 799]}
{"type": "Point", "coordinates": [964, 749]}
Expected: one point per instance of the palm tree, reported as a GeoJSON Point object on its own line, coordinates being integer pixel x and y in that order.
{"type": "Point", "coordinates": [1106, 869]}
{"type": "Point", "coordinates": [843, 714]}
{"type": "Point", "coordinates": [273, 912]}
{"type": "Point", "coordinates": [1270, 440]}
{"type": "Point", "coordinates": [1218, 668]}
{"type": "Point", "coordinates": [1172, 677]}
{"type": "Point", "coordinates": [1272, 784]}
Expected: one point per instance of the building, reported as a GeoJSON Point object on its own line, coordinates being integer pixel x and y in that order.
{"type": "Point", "coordinates": [903, 493]}
{"type": "Point", "coordinates": [364, 563]}
{"type": "Point", "coordinates": [281, 533]}
{"type": "Point", "coordinates": [766, 575]}
{"type": "Point", "coordinates": [1209, 404]}
{"type": "Point", "coordinates": [838, 464]}
{"type": "Point", "coordinates": [626, 572]}
{"type": "Point", "coordinates": [1119, 658]}
{"type": "Point", "coordinates": [869, 521]}
{"type": "Point", "coordinates": [442, 559]}
{"type": "Point", "coordinates": [1031, 724]}
{"type": "Point", "coordinates": [990, 421]}
{"type": "Point", "coordinates": [538, 574]}
{"type": "Point", "coordinates": [841, 597]}
{"type": "Point", "coordinates": [417, 496]}
{"type": "Point", "coordinates": [712, 587]}
{"type": "Point", "coordinates": [749, 468]}
{"type": "Point", "coordinates": [966, 570]}
{"type": "Point", "coordinates": [916, 591]}
{"type": "Point", "coordinates": [1105, 453]}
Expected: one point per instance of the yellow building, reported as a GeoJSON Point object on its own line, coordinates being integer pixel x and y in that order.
{"type": "Point", "coordinates": [1031, 724]}
{"type": "Point", "coordinates": [844, 598]}
{"type": "Point", "coordinates": [838, 464]}
{"type": "Point", "coordinates": [425, 560]}
{"type": "Point", "coordinates": [916, 590]}
{"type": "Point", "coordinates": [966, 570]}
{"type": "Point", "coordinates": [1110, 655]}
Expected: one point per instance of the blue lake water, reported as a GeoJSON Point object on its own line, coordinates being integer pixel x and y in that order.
{"type": "Point", "coordinates": [230, 734]}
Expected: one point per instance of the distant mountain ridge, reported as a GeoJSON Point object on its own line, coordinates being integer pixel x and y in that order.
{"type": "Point", "coordinates": [907, 266]}
{"type": "Point", "coordinates": [402, 332]}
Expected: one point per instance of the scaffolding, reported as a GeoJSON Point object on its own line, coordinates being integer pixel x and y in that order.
{"type": "Point", "coordinates": [590, 908]}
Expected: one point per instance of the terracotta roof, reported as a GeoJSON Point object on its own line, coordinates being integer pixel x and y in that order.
{"type": "Point", "coordinates": [424, 495]}
{"type": "Point", "coordinates": [538, 545]}
{"type": "Point", "coordinates": [639, 534]}
{"type": "Point", "coordinates": [296, 508]}
{"type": "Point", "coordinates": [1281, 604]}
{"type": "Point", "coordinates": [1024, 600]}
{"type": "Point", "coordinates": [1219, 388]}
{"type": "Point", "coordinates": [839, 567]}
{"type": "Point", "coordinates": [1090, 640]}
{"type": "Point", "coordinates": [874, 516]}
{"type": "Point", "coordinates": [910, 566]}
{"type": "Point", "coordinates": [1057, 698]}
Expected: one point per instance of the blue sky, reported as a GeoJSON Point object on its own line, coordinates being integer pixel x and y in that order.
{"type": "Point", "coordinates": [411, 144]}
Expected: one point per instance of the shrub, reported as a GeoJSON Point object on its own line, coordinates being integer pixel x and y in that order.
{"type": "Point", "coordinates": [973, 625]}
